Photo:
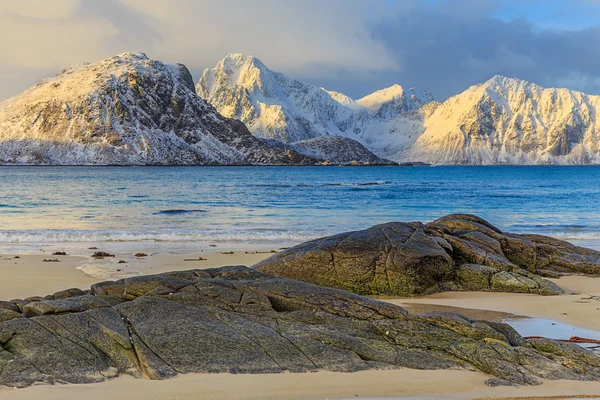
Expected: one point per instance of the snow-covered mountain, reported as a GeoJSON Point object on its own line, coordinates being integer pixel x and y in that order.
{"type": "Point", "coordinates": [275, 106]}
{"type": "Point", "coordinates": [500, 121]}
{"type": "Point", "coordinates": [510, 121]}
{"type": "Point", "coordinates": [127, 109]}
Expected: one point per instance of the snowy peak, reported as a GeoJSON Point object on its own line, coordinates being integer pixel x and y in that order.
{"type": "Point", "coordinates": [275, 106]}
{"type": "Point", "coordinates": [233, 71]}
{"type": "Point", "coordinates": [374, 100]}
{"type": "Point", "coordinates": [395, 99]}
{"type": "Point", "coordinates": [512, 121]}
{"type": "Point", "coordinates": [341, 98]}
{"type": "Point", "coordinates": [127, 109]}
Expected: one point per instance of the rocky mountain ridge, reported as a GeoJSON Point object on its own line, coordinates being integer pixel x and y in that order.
{"type": "Point", "coordinates": [511, 121]}
{"type": "Point", "coordinates": [501, 121]}
{"type": "Point", "coordinates": [275, 106]}
{"type": "Point", "coordinates": [128, 110]}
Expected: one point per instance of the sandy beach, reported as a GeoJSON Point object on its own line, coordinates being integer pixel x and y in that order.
{"type": "Point", "coordinates": [402, 383]}
{"type": "Point", "coordinates": [300, 200]}
{"type": "Point", "coordinates": [30, 275]}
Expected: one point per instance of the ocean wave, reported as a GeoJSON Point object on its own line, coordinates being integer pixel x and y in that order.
{"type": "Point", "coordinates": [176, 212]}
{"type": "Point", "coordinates": [595, 236]}
{"type": "Point", "coordinates": [373, 183]}
{"type": "Point", "coordinates": [323, 184]}
{"type": "Point", "coordinates": [170, 235]}
{"type": "Point", "coordinates": [350, 184]}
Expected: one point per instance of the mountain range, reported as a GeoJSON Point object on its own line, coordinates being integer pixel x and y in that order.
{"type": "Point", "coordinates": [501, 121]}
{"type": "Point", "coordinates": [131, 110]}
{"type": "Point", "coordinates": [126, 110]}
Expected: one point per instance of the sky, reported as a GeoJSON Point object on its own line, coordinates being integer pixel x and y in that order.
{"type": "Point", "coordinates": [351, 46]}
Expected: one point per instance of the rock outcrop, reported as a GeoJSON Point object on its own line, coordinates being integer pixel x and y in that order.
{"type": "Point", "coordinates": [456, 252]}
{"type": "Point", "coordinates": [239, 320]}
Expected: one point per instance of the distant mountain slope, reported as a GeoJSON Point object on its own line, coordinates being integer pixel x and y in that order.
{"type": "Point", "coordinates": [127, 109]}
{"type": "Point", "coordinates": [275, 106]}
{"type": "Point", "coordinates": [338, 150]}
{"type": "Point", "coordinates": [500, 121]}
{"type": "Point", "coordinates": [511, 121]}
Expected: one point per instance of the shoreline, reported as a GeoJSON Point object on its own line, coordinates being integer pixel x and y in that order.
{"type": "Point", "coordinates": [30, 276]}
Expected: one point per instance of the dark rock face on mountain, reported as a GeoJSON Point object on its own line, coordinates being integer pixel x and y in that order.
{"type": "Point", "coordinates": [456, 252]}
{"type": "Point", "coordinates": [236, 319]}
{"type": "Point", "coordinates": [126, 110]}
{"type": "Point", "coordinates": [338, 150]}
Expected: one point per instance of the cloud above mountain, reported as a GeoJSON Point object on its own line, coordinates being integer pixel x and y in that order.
{"type": "Point", "coordinates": [350, 46]}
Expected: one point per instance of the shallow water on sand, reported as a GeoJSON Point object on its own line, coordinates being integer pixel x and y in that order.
{"type": "Point", "coordinates": [284, 204]}
{"type": "Point", "coordinates": [525, 325]}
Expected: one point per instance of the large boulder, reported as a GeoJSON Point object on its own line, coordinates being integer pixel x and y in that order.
{"type": "Point", "coordinates": [239, 320]}
{"type": "Point", "coordinates": [456, 252]}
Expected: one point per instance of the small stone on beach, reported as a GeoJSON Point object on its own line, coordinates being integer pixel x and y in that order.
{"type": "Point", "coordinates": [102, 254]}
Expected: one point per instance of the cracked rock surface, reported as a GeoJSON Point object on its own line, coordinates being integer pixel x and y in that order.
{"type": "Point", "coordinates": [456, 252]}
{"type": "Point", "coordinates": [239, 320]}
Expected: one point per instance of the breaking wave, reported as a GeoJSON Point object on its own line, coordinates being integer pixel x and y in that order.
{"type": "Point", "coordinates": [170, 235]}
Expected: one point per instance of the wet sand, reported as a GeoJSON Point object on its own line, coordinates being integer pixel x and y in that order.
{"type": "Point", "coordinates": [580, 309]}
{"type": "Point", "coordinates": [28, 275]}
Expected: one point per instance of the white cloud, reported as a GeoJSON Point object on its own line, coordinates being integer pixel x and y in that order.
{"type": "Point", "coordinates": [291, 36]}
{"type": "Point", "coordinates": [352, 46]}
{"type": "Point", "coordinates": [287, 35]}
{"type": "Point", "coordinates": [41, 9]}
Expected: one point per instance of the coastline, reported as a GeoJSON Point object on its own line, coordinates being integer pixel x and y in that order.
{"type": "Point", "coordinates": [31, 276]}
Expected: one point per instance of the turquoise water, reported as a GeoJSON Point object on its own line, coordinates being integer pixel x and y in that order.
{"type": "Point", "coordinates": [284, 204]}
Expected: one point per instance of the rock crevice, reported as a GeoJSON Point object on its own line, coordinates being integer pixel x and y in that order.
{"type": "Point", "coordinates": [456, 252]}
{"type": "Point", "coordinates": [239, 320]}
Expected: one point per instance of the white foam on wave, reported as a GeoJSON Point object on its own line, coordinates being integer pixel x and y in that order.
{"type": "Point", "coordinates": [66, 236]}
{"type": "Point", "coordinates": [589, 235]}
{"type": "Point", "coordinates": [106, 271]}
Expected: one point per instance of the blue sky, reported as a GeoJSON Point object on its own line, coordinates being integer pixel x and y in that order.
{"type": "Point", "coordinates": [351, 46]}
{"type": "Point", "coordinates": [552, 14]}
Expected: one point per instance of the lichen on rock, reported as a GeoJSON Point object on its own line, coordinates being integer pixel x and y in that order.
{"type": "Point", "coordinates": [239, 320]}
{"type": "Point", "coordinates": [456, 252]}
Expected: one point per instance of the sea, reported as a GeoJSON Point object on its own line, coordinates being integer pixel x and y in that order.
{"type": "Point", "coordinates": [181, 208]}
